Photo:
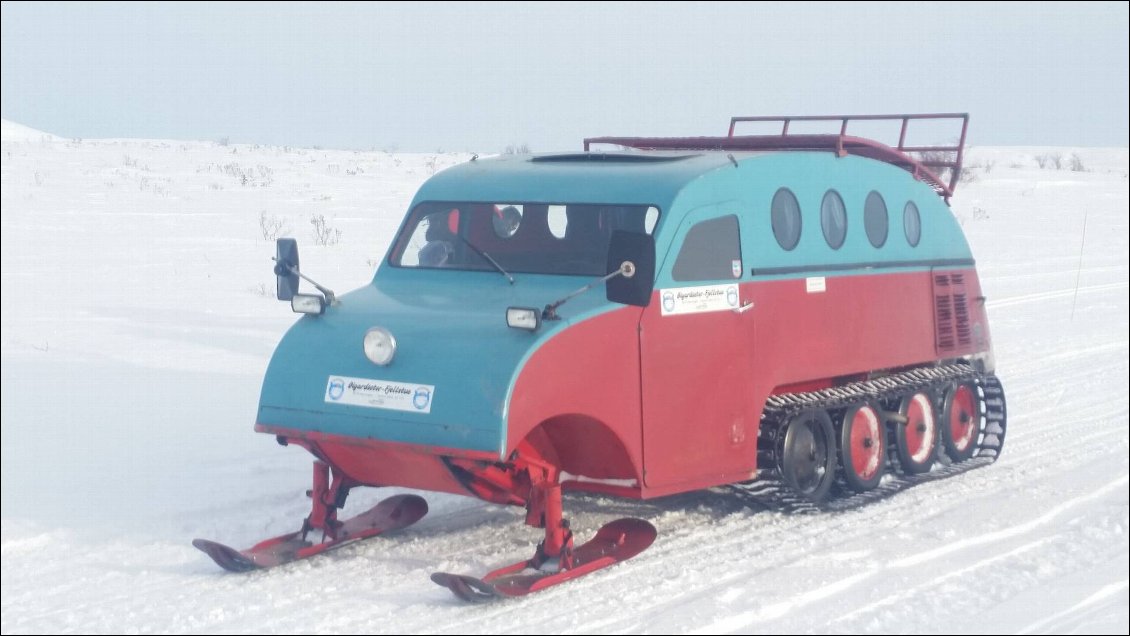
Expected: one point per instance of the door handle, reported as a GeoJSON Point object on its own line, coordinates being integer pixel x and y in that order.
{"type": "Point", "coordinates": [744, 308]}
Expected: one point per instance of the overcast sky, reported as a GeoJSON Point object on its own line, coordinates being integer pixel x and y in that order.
{"type": "Point", "coordinates": [471, 76]}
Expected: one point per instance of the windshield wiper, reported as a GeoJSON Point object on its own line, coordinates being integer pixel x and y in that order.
{"type": "Point", "coordinates": [488, 258]}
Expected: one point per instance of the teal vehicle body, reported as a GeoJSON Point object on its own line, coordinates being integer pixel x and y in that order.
{"type": "Point", "coordinates": [450, 325]}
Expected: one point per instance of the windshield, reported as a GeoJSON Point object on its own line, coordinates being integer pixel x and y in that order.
{"type": "Point", "coordinates": [535, 238]}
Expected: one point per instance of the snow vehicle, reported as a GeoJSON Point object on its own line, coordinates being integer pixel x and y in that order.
{"type": "Point", "coordinates": [761, 319]}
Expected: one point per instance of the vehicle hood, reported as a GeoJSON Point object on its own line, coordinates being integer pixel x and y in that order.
{"type": "Point", "coordinates": [456, 360]}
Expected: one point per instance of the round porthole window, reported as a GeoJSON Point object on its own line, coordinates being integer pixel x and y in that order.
{"type": "Point", "coordinates": [785, 215]}
{"type": "Point", "coordinates": [506, 220]}
{"type": "Point", "coordinates": [875, 221]}
{"type": "Point", "coordinates": [912, 223]}
{"type": "Point", "coordinates": [833, 219]}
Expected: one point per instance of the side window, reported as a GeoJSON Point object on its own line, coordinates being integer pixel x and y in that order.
{"type": "Point", "coordinates": [875, 221]}
{"type": "Point", "coordinates": [912, 224]}
{"type": "Point", "coordinates": [785, 214]}
{"type": "Point", "coordinates": [558, 221]}
{"type": "Point", "coordinates": [711, 251]}
{"type": "Point", "coordinates": [833, 219]}
{"type": "Point", "coordinates": [649, 220]}
{"type": "Point", "coordinates": [432, 241]}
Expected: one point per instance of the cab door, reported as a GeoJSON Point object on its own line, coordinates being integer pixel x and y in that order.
{"type": "Point", "coordinates": [699, 421]}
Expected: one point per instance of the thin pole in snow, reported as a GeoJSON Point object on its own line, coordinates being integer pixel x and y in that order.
{"type": "Point", "coordinates": [1079, 266]}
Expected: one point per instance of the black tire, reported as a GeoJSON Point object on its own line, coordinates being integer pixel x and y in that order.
{"type": "Point", "coordinates": [916, 438]}
{"type": "Point", "coordinates": [961, 422]}
{"type": "Point", "coordinates": [863, 447]}
{"type": "Point", "coordinates": [807, 455]}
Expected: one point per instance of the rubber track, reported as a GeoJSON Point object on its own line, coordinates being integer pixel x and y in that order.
{"type": "Point", "coordinates": [770, 493]}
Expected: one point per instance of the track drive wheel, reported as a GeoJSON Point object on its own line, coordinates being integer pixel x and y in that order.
{"type": "Point", "coordinates": [807, 454]}
{"type": "Point", "coordinates": [961, 422]}
{"type": "Point", "coordinates": [916, 440]}
{"type": "Point", "coordinates": [863, 447]}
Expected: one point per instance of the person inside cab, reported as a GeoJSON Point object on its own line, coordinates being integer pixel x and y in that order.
{"type": "Point", "coordinates": [440, 246]}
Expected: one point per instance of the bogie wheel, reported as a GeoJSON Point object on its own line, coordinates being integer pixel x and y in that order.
{"type": "Point", "coordinates": [807, 454]}
{"type": "Point", "coordinates": [916, 440]}
{"type": "Point", "coordinates": [961, 422]}
{"type": "Point", "coordinates": [863, 447]}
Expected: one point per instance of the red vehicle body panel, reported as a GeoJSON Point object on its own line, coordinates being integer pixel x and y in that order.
{"type": "Point", "coordinates": [699, 417]}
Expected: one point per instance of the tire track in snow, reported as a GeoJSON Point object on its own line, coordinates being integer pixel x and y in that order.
{"type": "Point", "coordinates": [1012, 531]}
{"type": "Point", "coordinates": [894, 600]}
{"type": "Point", "coordinates": [1048, 295]}
{"type": "Point", "coordinates": [1117, 589]}
{"type": "Point", "coordinates": [744, 620]}
{"type": "Point", "coordinates": [904, 568]}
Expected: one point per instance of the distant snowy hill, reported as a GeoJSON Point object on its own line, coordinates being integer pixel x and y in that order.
{"type": "Point", "coordinates": [139, 316]}
{"type": "Point", "coordinates": [11, 131]}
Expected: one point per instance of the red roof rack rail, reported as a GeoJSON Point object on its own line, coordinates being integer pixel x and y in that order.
{"type": "Point", "coordinates": [924, 162]}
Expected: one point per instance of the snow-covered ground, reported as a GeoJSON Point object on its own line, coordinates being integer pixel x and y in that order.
{"type": "Point", "coordinates": [138, 318]}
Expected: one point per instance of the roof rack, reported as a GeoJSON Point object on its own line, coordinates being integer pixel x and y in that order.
{"type": "Point", "coordinates": [926, 163]}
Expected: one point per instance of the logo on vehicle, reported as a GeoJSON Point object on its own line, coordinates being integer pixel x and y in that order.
{"type": "Point", "coordinates": [668, 301]}
{"type": "Point", "coordinates": [732, 296]}
{"type": "Point", "coordinates": [337, 389]}
{"type": "Point", "coordinates": [736, 268]}
{"type": "Point", "coordinates": [421, 398]}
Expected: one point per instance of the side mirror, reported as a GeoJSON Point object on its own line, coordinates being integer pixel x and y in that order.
{"type": "Point", "coordinates": [633, 255]}
{"type": "Point", "coordinates": [286, 267]}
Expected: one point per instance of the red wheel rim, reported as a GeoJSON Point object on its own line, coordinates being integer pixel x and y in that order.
{"type": "Point", "coordinates": [920, 428]}
{"type": "Point", "coordinates": [963, 422]}
{"type": "Point", "coordinates": [866, 443]}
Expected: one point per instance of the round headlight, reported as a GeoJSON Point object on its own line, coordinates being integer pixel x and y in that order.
{"type": "Point", "coordinates": [380, 346]}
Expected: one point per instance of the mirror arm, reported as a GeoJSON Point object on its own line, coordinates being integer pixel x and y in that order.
{"type": "Point", "coordinates": [331, 299]}
{"type": "Point", "coordinates": [627, 270]}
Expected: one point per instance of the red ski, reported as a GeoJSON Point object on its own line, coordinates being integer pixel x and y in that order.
{"type": "Point", "coordinates": [617, 541]}
{"type": "Point", "coordinates": [390, 514]}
